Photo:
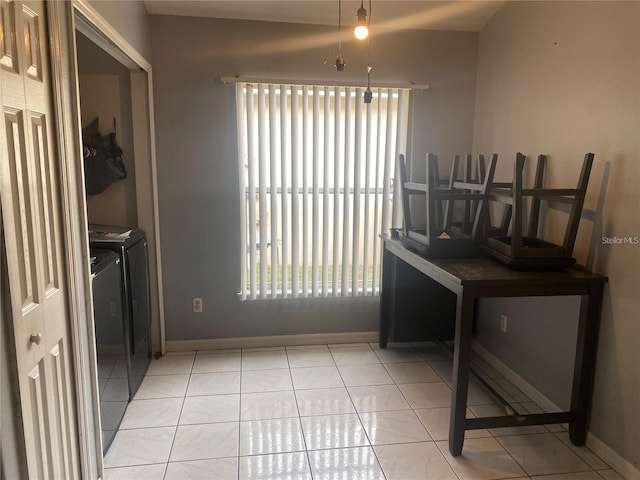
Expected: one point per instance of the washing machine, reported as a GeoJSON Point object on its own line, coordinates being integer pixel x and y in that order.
{"type": "Point", "coordinates": [130, 245]}
{"type": "Point", "coordinates": [113, 385]}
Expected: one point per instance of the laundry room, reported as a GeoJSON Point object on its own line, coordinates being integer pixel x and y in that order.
{"type": "Point", "coordinates": [119, 243]}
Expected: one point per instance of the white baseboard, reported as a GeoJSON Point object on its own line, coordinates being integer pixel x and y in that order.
{"type": "Point", "coordinates": [524, 386]}
{"type": "Point", "coordinates": [625, 468]}
{"type": "Point", "coordinates": [272, 341]}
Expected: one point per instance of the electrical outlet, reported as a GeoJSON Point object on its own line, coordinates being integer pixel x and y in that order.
{"type": "Point", "coordinates": [503, 323]}
{"type": "Point", "coordinates": [197, 304]}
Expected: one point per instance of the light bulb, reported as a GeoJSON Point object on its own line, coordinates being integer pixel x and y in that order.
{"type": "Point", "coordinates": [361, 32]}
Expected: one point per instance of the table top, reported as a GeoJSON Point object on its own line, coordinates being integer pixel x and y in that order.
{"type": "Point", "coordinates": [486, 271]}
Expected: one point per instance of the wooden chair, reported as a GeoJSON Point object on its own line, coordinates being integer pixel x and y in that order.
{"type": "Point", "coordinates": [441, 236]}
{"type": "Point", "coordinates": [524, 250]}
{"type": "Point", "coordinates": [469, 207]}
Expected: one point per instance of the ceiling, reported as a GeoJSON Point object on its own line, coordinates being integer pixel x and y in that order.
{"type": "Point", "coordinates": [392, 14]}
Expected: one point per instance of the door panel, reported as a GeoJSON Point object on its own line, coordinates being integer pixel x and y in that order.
{"type": "Point", "coordinates": [21, 212]}
{"type": "Point", "coordinates": [8, 39]}
{"type": "Point", "coordinates": [31, 216]}
{"type": "Point", "coordinates": [31, 21]}
{"type": "Point", "coordinates": [44, 184]}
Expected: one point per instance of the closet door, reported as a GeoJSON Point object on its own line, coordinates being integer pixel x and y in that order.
{"type": "Point", "coordinates": [29, 192]}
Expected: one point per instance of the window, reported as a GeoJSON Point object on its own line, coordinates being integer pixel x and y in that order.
{"type": "Point", "coordinates": [316, 176]}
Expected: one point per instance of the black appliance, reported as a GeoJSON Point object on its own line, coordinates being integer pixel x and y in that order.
{"type": "Point", "coordinates": [106, 285]}
{"type": "Point", "coordinates": [131, 246]}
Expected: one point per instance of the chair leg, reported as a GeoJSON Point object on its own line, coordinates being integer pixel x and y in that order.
{"type": "Point", "coordinates": [449, 204]}
{"type": "Point", "coordinates": [576, 207]}
{"type": "Point", "coordinates": [406, 204]}
{"type": "Point", "coordinates": [516, 230]}
{"type": "Point", "coordinates": [467, 211]}
{"type": "Point", "coordinates": [534, 217]}
{"type": "Point", "coordinates": [431, 185]}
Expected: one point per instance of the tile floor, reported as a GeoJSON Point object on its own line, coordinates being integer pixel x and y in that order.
{"type": "Point", "coordinates": [329, 412]}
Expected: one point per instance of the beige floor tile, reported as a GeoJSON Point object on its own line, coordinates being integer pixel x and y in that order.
{"type": "Point", "coordinates": [310, 358]}
{"type": "Point", "coordinates": [264, 360]}
{"type": "Point", "coordinates": [162, 386]}
{"type": "Point", "coordinates": [397, 353]}
{"type": "Point", "coordinates": [378, 398]}
{"type": "Point", "coordinates": [333, 431]}
{"type": "Point", "coordinates": [210, 409]}
{"type": "Point", "coordinates": [324, 401]}
{"type": "Point", "coordinates": [570, 476]}
{"type": "Point", "coordinates": [482, 459]}
{"type": "Point", "coordinates": [279, 435]}
{"type": "Point", "coordinates": [205, 441]}
{"type": "Point", "coordinates": [140, 447]}
{"type": "Point", "coordinates": [285, 413]}
{"type": "Point", "coordinates": [584, 453]}
{"type": "Point", "coordinates": [414, 461]}
{"type": "Point", "coordinates": [171, 365]}
{"type": "Point", "coordinates": [444, 369]}
{"type": "Point", "coordinates": [140, 472]}
{"type": "Point", "coordinates": [427, 395]}
{"type": "Point", "coordinates": [354, 355]}
{"type": "Point", "coordinates": [219, 383]}
{"type": "Point", "coordinates": [158, 412]}
{"type": "Point", "coordinates": [254, 381]}
{"type": "Point", "coordinates": [360, 375]}
{"type": "Point", "coordinates": [316, 377]}
{"type": "Point", "coordinates": [542, 454]}
{"type": "Point", "coordinates": [402, 426]}
{"type": "Point", "coordinates": [280, 466]}
{"type": "Point", "coordinates": [210, 469]}
{"type": "Point", "coordinates": [268, 405]}
{"type": "Point", "coordinates": [345, 463]}
{"type": "Point", "coordinates": [412, 372]}
{"type": "Point", "coordinates": [228, 362]}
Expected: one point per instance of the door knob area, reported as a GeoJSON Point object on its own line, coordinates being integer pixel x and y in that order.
{"type": "Point", "coordinates": [35, 338]}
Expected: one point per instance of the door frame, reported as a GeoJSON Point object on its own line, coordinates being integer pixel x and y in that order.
{"type": "Point", "coordinates": [102, 33]}
{"type": "Point", "coordinates": [64, 75]}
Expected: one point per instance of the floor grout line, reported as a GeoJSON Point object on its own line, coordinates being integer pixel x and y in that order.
{"type": "Point", "coordinates": [305, 447]}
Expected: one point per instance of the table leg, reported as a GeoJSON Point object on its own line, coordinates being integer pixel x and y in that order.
{"type": "Point", "coordinates": [387, 295]}
{"type": "Point", "coordinates": [585, 362]}
{"type": "Point", "coordinates": [461, 358]}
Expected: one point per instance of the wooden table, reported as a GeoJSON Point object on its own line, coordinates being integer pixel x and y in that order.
{"type": "Point", "coordinates": [474, 278]}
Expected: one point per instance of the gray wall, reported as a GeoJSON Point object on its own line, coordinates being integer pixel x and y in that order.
{"type": "Point", "coordinates": [563, 78]}
{"type": "Point", "coordinates": [556, 78]}
{"type": "Point", "coordinates": [197, 165]}
{"type": "Point", "coordinates": [130, 19]}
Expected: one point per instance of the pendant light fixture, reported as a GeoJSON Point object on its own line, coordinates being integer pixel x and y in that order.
{"type": "Point", "coordinates": [362, 29]}
{"type": "Point", "coordinates": [340, 63]}
{"type": "Point", "coordinates": [368, 94]}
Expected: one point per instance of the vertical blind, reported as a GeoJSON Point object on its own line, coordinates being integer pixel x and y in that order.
{"type": "Point", "coordinates": [316, 169]}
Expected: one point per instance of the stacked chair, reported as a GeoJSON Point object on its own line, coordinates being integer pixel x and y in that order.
{"type": "Point", "coordinates": [523, 250]}
{"type": "Point", "coordinates": [458, 222]}
{"type": "Point", "coordinates": [441, 235]}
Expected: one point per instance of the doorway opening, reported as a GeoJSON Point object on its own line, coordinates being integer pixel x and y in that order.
{"type": "Point", "coordinates": [116, 108]}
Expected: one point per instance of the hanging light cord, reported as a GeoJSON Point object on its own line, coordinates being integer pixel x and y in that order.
{"type": "Point", "coordinates": [339, 60]}
{"type": "Point", "coordinates": [339, 26]}
{"type": "Point", "coordinates": [369, 67]}
{"type": "Point", "coordinates": [369, 36]}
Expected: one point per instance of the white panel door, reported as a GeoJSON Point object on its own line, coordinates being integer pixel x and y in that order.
{"type": "Point", "coordinates": [32, 218]}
